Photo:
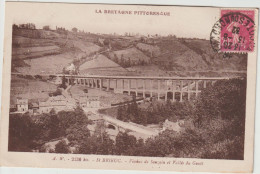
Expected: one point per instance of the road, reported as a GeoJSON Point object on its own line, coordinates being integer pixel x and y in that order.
{"type": "Point", "coordinates": [131, 126]}
{"type": "Point", "coordinates": [125, 125]}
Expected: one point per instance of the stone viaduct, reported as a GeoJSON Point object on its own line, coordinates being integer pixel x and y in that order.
{"type": "Point", "coordinates": [163, 88]}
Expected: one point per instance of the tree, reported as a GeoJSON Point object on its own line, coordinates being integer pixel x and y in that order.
{"type": "Point", "coordinates": [106, 42]}
{"type": "Point", "coordinates": [22, 132]}
{"type": "Point", "coordinates": [76, 134]}
{"type": "Point", "coordinates": [38, 77]}
{"type": "Point", "coordinates": [139, 148]}
{"type": "Point", "coordinates": [62, 147]}
{"type": "Point", "coordinates": [125, 144]}
{"type": "Point", "coordinates": [74, 124]}
{"type": "Point", "coordinates": [128, 62]}
{"type": "Point", "coordinates": [81, 118]}
{"type": "Point", "coordinates": [97, 145]}
{"type": "Point", "coordinates": [100, 129]}
{"type": "Point", "coordinates": [55, 128]}
{"type": "Point", "coordinates": [106, 146]}
{"type": "Point", "coordinates": [116, 58]}
{"type": "Point", "coordinates": [63, 83]}
{"type": "Point", "coordinates": [15, 26]}
{"type": "Point", "coordinates": [74, 29]}
{"type": "Point", "coordinates": [122, 62]}
{"type": "Point", "coordinates": [46, 27]}
{"type": "Point", "coordinates": [226, 99]}
{"type": "Point", "coordinates": [121, 113]}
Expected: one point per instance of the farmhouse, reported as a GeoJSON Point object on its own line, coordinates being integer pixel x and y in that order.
{"type": "Point", "coordinates": [89, 102]}
{"type": "Point", "coordinates": [58, 103]}
{"type": "Point", "coordinates": [58, 80]}
{"type": "Point", "coordinates": [70, 69]}
{"type": "Point", "coordinates": [33, 108]}
{"type": "Point", "coordinates": [175, 126]}
{"type": "Point", "coordinates": [12, 108]}
{"type": "Point", "coordinates": [22, 105]}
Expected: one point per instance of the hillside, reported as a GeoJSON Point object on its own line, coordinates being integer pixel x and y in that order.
{"type": "Point", "coordinates": [40, 51]}
{"type": "Point", "coordinates": [131, 55]}
{"type": "Point", "coordinates": [173, 55]}
{"type": "Point", "coordinates": [30, 88]}
{"type": "Point", "coordinates": [46, 64]}
{"type": "Point", "coordinates": [190, 55]}
{"type": "Point", "coordinates": [216, 61]}
{"type": "Point", "coordinates": [87, 47]}
{"type": "Point", "coordinates": [100, 65]}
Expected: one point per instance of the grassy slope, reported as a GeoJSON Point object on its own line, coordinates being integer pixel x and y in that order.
{"type": "Point", "coordinates": [46, 64]}
{"type": "Point", "coordinates": [191, 55]}
{"type": "Point", "coordinates": [101, 63]}
{"type": "Point", "coordinates": [31, 89]}
{"type": "Point", "coordinates": [214, 60]}
{"type": "Point", "coordinates": [49, 53]}
{"type": "Point", "coordinates": [132, 54]}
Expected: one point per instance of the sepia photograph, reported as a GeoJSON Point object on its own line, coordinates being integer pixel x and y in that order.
{"type": "Point", "coordinates": [117, 80]}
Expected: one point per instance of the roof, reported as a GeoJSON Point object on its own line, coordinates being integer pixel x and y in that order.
{"type": "Point", "coordinates": [171, 125]}
{"type": "Point", "coordinates": [59, 100]}
{"type": "Point", "coordinates": [12, 106]}
{"type": "Point", "coordinates": [48, 103]}
{"type": "Point", "coordinates": [84, 99]}
{"type": "Point", "coordinates": [35, 105]}
{"type": "Point", "coordinates": [53, 101]}
{"type": "Point", "coordinates": [92, 98]}
{"type": "Point", "coordinates": [21, 101]}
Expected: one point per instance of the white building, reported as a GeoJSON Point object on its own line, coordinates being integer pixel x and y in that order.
{"type": "Point", "coordinates": [58, 80]}
{"type": "Point", "coordinates": [89, 102]}
{"type": "Point", "coordinates": [71, 69]}
{"type": "Point", "coordinates": [58, 103]}
{"type": "Point", "coordinates": [175, 126]}
{"type": "Point", "coordinates": [22, 105]}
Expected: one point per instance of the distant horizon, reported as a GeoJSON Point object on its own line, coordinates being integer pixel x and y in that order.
{"type": "Point", "coordinates": [99, 33]}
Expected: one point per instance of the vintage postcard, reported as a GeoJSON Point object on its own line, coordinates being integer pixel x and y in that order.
{"type": "Point", "coordinates": [129, 87]}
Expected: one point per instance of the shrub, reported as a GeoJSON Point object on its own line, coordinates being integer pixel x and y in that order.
{"type": "Point", "coordinates": [62, 147]}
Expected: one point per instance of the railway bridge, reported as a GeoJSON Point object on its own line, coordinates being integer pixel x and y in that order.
{"type": "Point", "coordinates": [163, 88]}
{"type": "Point", "coordinates": [123, 126]}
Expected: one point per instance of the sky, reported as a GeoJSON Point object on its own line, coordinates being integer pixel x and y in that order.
{"type": "Point", "coordinates": [186, 22]}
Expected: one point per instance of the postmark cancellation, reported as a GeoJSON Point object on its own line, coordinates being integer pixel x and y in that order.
{"type": "Point", "coordinates": [234, 31]}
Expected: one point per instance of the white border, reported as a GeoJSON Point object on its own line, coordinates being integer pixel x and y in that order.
{"type": "Point", "coordinates": [221, 3]}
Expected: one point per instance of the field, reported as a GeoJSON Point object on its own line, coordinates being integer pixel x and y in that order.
{"type": "Point", "coordinates": [20, 41]}
{"type": "Point", "coordinates": [29, 50]}
{"type": "Point", "coordinates": [46, 64]}
{"type": "Point", "coordinates": [30, 89]}
{"type": "Point", "coordinates": [86, 47]}
{"type": "Point", "coordinates": [132, 54]}
{"type": "Point", "coordinates": [150, 50]}
{"type": "Point", "coordinates": [101, 63]}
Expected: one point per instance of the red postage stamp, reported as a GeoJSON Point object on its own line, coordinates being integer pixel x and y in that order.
{"type": "Point", "coordinates": [237, 30]}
